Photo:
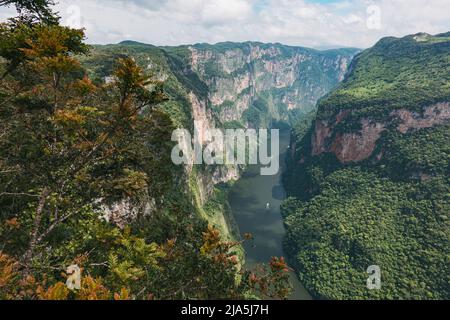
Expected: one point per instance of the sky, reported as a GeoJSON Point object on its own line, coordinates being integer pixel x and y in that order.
{"type": "Point", "coordinates": [309, 23]}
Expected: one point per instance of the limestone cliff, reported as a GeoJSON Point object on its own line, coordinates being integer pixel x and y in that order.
{"type": "Point", "coordinates": [281, 78]}
{"type": "Point", "coordinates": [227, 85]}
{"type": "Point", "coordinates": [359, 145]}
{"type": "Point", "coordinates": [368, 176]}
{"type": "Point", "coordinates": [399, 85]}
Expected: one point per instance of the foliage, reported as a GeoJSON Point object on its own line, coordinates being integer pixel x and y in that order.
{"type": "Point", "coordinates": [34, 9]}
{"type": "Point", "coordinates": [418, 154]}
{"type": "Point", "coordinates": [359, 220]}
{"type": "Point", "coordinates": [391, 210]}
{"type": "Point", "coordinates": [86, 179]}
{"type": "Point", "coordinates": [395, 73]}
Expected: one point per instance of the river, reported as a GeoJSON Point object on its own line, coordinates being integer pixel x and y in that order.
{"type": "Point", "coordinates": [248, 199]}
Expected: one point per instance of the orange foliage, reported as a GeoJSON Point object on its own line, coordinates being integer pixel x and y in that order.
{"type": "Point", "coordinates": [58, 291]}
{"type": "Point", "coordinates": [278, 264]}
{"type": "Point", "coordinates": [92, 289]}
{"type": "Point", "coordinates": [12, 224]}
{"type": "Point", "coordinates": [123, 295]}
{"type": "Point", "coordinates": [7, 270]}
{"type": "Point", "coordinates": [211, 240]}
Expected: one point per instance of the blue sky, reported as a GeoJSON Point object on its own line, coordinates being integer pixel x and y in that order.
{"type": "Point", "coordinates": [312, 23]}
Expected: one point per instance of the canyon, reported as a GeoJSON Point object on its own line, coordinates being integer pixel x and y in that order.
{"type": "Point", "coordinates": [229, 85]}
{"type": "Point", "coordinates": [367, 176]}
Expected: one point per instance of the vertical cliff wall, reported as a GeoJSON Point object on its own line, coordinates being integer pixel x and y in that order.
{"type": "Point", "coordinates": [254, 83]}
{"type": "Point", "coordinates": [228, 85]}
{"type": "Point", "coordinates": [369, 176]}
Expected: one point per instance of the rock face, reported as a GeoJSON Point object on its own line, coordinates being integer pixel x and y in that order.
{"type": "Point", "coordinates": [287, 77]}
{"type": "Point", "coordinates": [237, 75]}
{"type": "Point", "coordinates": [359, 145]}
{"type": "Point", "coordinates": [207, 179]}
{"type": "Point", "coordinates": [248, 83]}
{"type": "Point", "coordinates": [399, 85]}
{"type": "Point", "coordinates": [321, 135]}
{"type": "Point", "coordinates": [123, 212]}
{"type": "Point", "coordinates": [433, 115]}
{"type": "Point", "coordinates": [355, 147]}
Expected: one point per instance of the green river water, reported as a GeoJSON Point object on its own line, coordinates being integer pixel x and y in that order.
{"type": "Point", "coordinates": [248, 199]}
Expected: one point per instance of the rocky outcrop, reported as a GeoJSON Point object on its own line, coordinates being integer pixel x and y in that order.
{"type": "Point", "coordinates": [201, 114]}
{"type": "Point", "coordinates": [355, 147]}
{"type": "Point", "coordinates": [206, 180]}
{"type": "Point", "coordinates": [293, 77]}
{"type": "Point", "coordinates": [209, 177]}
{"type": "Point", "coordinates": [433, 115]}
{"type": "Point", "coordinates": [124, 212]}
{"type": "Point", "coordinates": [322, 133]}
{"type": "Point", "coordinates": [359, 145]}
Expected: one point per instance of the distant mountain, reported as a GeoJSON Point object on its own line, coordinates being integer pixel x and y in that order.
{"type": "Point", "coordinates": [369, 176]}
{"type": "Point", "coordinates": [254, 82]}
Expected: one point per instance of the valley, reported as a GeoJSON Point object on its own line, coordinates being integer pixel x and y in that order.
{"type": "Point", "coordinates": [93, 205]}
{"type": "Point", "coordinates": [230, 86]}
{"type": "Point", "coordinates": [248, 200]}
{"type": "Point", "coordinates": [233, 86]}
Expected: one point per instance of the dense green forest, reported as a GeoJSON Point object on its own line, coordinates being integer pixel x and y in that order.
{"type": "Point", "coordinates": [410, 72]}
{"type": "Point", "coordinates": [73, 147]}
{"type": "Point", "coordinates": [86, 179]}
{"type": "Point", "coordinates": [391, 209]}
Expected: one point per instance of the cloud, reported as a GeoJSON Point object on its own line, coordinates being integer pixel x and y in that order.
{"type": "Point", "coordinates": [312, 23]}
{"type": "Point", "coordinates": [219, 12]}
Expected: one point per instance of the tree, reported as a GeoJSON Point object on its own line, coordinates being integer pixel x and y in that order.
{"type": "Point", "coordinates": [70, 150]}
{"type": "Point", "coordinates": [34, 9]}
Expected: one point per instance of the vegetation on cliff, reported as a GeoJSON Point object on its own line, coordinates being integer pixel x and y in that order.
{"type": "Point", "coordinates": [243, 84]}
{"type": "Point", "coordinates": [86, 180]}
{"type": "Point", "coordinates": [410, 72]}
{"type": "Point", "coordinates": [391, 209]}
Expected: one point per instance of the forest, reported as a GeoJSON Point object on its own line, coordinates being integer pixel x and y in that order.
{"type": "Point", "coordinates": [92, 207]}
{"type": "Point", "coordinates": [391, 209]}
{"type": "Point", "coordinates": [73, 147]}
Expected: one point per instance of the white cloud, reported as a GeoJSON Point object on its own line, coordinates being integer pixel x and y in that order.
{"type": "Point", "coordinates": [225, 12]}
{"type": "Point", "coordinates": [352, 18]}
{"type": "Point", "coordinates": [295, 22]}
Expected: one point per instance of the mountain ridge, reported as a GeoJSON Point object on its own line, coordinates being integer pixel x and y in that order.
{"type": "Point", "coordinates": [368, 176]}
{"type": "Point", "coordinates": [221, 84]}
{"type": "Point", "coordinates": [220, 43]}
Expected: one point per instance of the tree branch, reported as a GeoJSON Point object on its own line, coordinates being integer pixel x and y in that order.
{"type": "Point", "coordinates": [34, 234]}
